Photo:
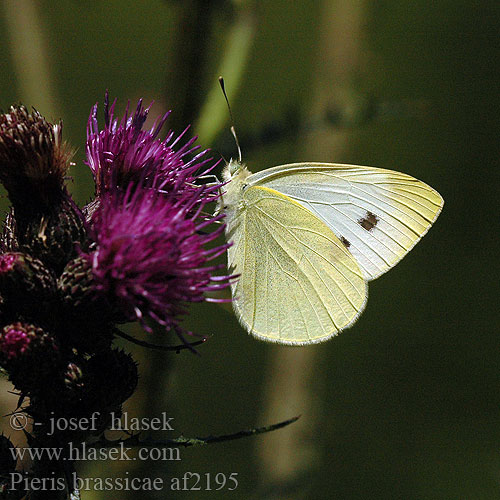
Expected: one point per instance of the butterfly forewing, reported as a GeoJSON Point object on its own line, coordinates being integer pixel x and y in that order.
{"type": "Point", "coordinates": [298, 283]}
{"type": "Point", "coordinates": [377, 214]}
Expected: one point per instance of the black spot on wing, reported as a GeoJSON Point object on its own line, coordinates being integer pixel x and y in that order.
{"type": "Point", "coordinates": [346, 243]}
{"type": "Point", "coordinates": [369, 221]}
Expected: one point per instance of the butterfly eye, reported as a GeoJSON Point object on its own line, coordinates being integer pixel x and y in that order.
{"type": "Point", "coordinates": [234, 166]}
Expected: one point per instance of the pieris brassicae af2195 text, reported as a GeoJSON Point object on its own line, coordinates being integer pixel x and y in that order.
{"type": "Point", "coordinates": [307, 238]}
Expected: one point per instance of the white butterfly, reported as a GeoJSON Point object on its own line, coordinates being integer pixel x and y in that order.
{"type": "Point", "coordinates": [307, 237]}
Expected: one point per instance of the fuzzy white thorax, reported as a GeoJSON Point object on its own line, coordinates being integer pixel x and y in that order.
{"type": "Point", "coordinates": [235, 174]}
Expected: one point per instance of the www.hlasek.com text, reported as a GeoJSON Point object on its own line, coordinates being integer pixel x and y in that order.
{"type": "Point", "coordinates": [84, 451]}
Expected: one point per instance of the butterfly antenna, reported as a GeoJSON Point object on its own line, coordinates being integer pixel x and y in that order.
{"type": "Point", "coordinates": [233, 129]}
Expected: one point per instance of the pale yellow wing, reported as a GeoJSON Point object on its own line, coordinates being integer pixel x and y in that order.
{"type": "Point", "coordinates": [378, 214]}
{"type": "Point", "coordinates": [298, 283]}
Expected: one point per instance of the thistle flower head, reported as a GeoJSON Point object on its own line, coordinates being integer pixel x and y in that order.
{"type": "Point", "coordinates": [33, 158]}
{"type": "Point", "coordinates": [26, 285]}
{"type": "Point", "coordinates": [21, 341]}
{"type": "Point", "coordinates": [110, 377]}
{"type": "Point", "coordinates": [150, 257]}
{"type": "Point", "coordinates": [142, 250]}
{"type": "Point", "coordinates": [30, 355]}
{"type": "Point", "coordinates": [122, 153]}
{"type": "Point", "coordinates": [7, 262]}
{"type": "Point", "coordinates": [15, 341]}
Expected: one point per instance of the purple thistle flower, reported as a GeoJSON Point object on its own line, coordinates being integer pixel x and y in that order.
{"type": "Point", "coordinates": [14, 341]}
{"type": "Point", "coordinates": [19, 339]}
{"type": "Point", "coordinates": [29, 355]}
{"type": "Point", "coordinates": [150, 257]}
{"type": "Point", "coordinates": [7, 262]}
{"type": "Point", "coordinates": [122, 153]}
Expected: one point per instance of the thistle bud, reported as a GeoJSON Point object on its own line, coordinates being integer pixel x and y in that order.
{"type": "Point", "coordinates": [89, 314]}
{"type": "Point", "coordinates": [73, 377]}
{"type": "Point", "coordinates": [77, 291]}
{"type": "Point", "coordinates": [53, 235]}
{"type": "Point", "coordinates": [112, 378]}
{"type": "Point", "coordinates": [26, 285]}
{"type": "Point", "coordinates": [29, 355]}
{"type": "Point", "coordinates": [74, 386]}
{"type": "Point", "coordinates": [33, 164]}
{"type": "Point", "coordinates": [33, 159]}
{"type": "Point", "coordinates": [75, 285]}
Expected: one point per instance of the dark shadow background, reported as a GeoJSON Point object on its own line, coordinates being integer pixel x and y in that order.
{"type": "Point", "coordinates": [406, 403]}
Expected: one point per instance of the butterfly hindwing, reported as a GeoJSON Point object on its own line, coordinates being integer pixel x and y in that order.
{"type": "Point", "coordinates": [378, 214]}
{"type": "Point", "coordinates": [298, 283]}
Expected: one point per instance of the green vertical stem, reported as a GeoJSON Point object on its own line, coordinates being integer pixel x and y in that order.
{"type": "Point", "coordinates": [187, 69]}
{"type": "Point", "coordinates": [189, 55]}
{"type": "Point", "coordinates": [214, 115]}
{"type": "Point", "coordinates": [184, 87]}
{"type": "Point", "coordinates": [286, 457]}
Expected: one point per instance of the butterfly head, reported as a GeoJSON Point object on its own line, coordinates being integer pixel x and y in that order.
{"type": "Point", "coordinates": [235, 174]}
{"type": "Point", "coordinates": [232, 169]}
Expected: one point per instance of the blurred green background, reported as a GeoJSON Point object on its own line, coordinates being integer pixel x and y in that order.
{"type": "Point", "coordinates": [406, 403]}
